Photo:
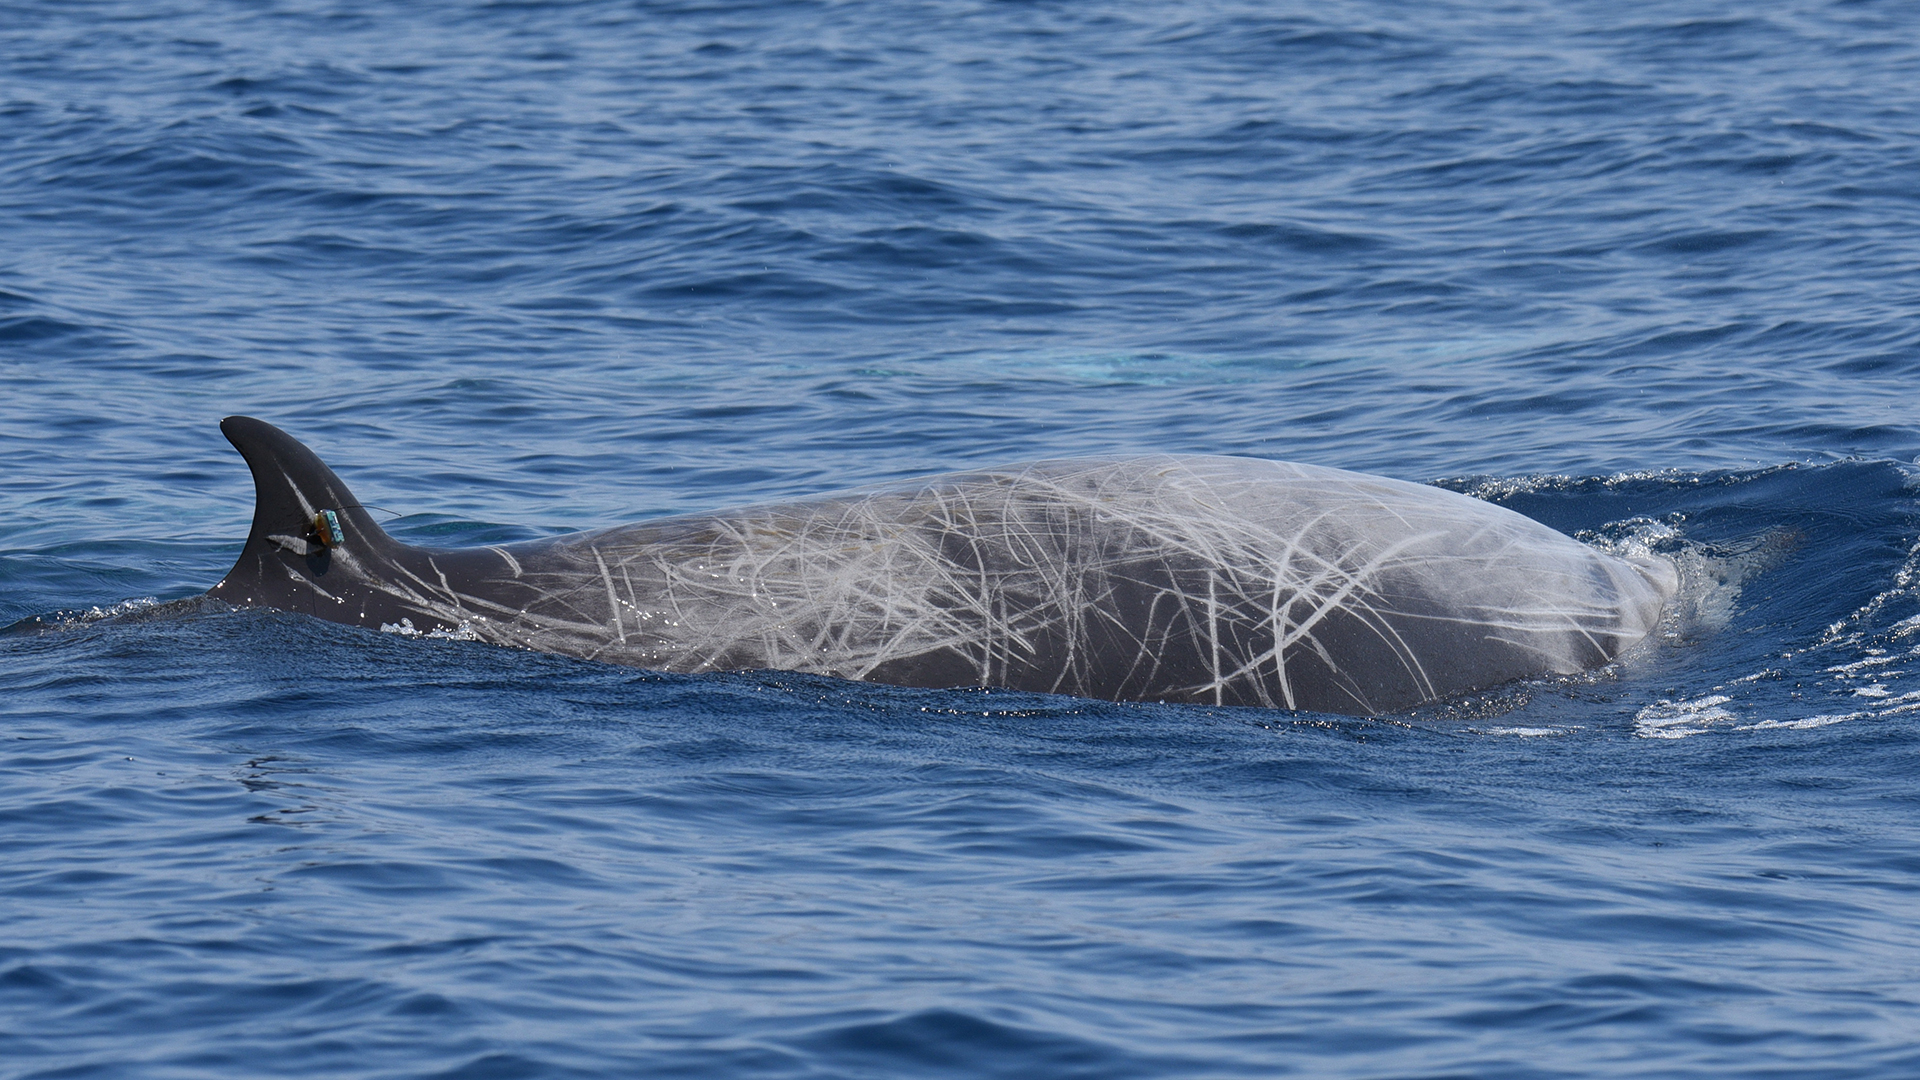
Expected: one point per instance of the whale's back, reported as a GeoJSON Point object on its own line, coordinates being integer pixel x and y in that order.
{"type": "Point", "coordinates": [1201, 579]}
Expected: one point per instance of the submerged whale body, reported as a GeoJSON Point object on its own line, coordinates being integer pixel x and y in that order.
{"type": "Point", "coordinates": [1212, 580]}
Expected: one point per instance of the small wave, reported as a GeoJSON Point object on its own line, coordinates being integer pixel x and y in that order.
{"type": "Point", "coordinates": [70, 618]}
{"type": "Point", "coordinates": [1822, 720]}
{"type": "Point", "coordinates": [946, 1041]}
{"type": "Point", "coordinates": [1500, 489]}
{"type": "Point", "coordinates": [36, 328]}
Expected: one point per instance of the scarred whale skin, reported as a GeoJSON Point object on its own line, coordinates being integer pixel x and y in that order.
{"type": "Point", "coordinates": [1213, 580]}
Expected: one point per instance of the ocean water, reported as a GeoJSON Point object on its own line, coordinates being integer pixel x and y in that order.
{"type": "Point", "coordinates": [1647, 272]}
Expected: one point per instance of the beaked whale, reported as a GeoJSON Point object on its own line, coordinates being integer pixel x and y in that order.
{"type": "Point", "coordinates": [1213, 580]}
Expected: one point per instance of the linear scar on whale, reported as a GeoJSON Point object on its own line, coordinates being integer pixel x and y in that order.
{"type": "Point", "coordinates": [1210, 580]}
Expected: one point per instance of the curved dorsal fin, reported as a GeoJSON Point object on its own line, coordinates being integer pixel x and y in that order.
{"type": "Point", "coordinates": [291, 486]}
{"type": "Point", "coordinates": [302, 513]}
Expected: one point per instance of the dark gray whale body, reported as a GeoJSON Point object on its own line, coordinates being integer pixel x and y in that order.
{"type": "Point", "coordinates": [1196, 579]}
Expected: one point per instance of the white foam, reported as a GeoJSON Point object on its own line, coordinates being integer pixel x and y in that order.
{"type": "Point", "coordinates": [124, 607]}
{"type": "Point", "coordinates": [1678, 719]}
{"type": "Point", "coordinates": [1858, 666]}
{"type": "Point", "coordinates": [405, 628]}
{"type": "Point", "coordinates": [1822, 720]}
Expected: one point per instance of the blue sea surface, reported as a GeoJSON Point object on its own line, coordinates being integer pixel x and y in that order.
{"type": "Point", "coordinates": [1647, 272]}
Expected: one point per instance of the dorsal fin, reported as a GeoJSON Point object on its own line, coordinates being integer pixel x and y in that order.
{"type": "Point", "coordinates": [298, 501]}
{"type": "Point", "coordinates": [291, 485]}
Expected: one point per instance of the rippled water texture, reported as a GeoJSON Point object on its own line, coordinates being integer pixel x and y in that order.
{"type": "Point", "coordinates": [1646, 272]}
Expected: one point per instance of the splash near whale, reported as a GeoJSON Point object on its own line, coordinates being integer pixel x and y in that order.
{"type": "Point", "coordinates": [1213, 580]}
